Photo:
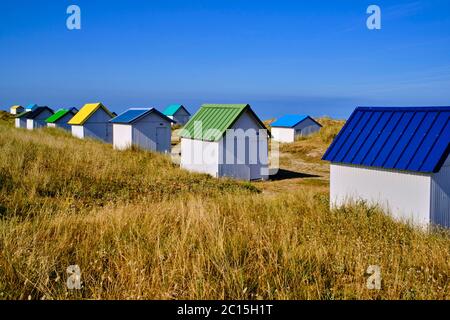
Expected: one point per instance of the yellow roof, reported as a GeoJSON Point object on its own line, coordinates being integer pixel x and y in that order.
{"type": "Point", "coordinates": [86, 112]}
{"type": "Point", "coordinates": [15, 107]}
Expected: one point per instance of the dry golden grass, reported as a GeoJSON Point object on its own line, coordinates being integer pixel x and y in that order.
{"type": "Point", "coordinates": [312, 148]}
{"type": "Point", "coordinates": [6, 118]}
{"type": "Point", "coordinates": [140, 228]}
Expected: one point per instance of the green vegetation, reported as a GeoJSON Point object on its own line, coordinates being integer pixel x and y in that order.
{"type": "Point", "coordinates": [141, 228]}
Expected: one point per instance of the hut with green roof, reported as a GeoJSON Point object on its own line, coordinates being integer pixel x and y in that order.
{"type": "Point", "coordinates": [61, 118]}
{"type": "Point", "coordinates": [226, 140]}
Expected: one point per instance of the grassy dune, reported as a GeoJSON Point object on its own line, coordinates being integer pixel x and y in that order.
{"type": "Point", "coordinates": [140, 228]}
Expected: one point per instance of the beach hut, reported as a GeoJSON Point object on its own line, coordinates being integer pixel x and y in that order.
{"type": "Point", "coordinates": [61, 118]}
{"type": "Point", "coordinates": [286, 128]}
{"type": "Point", "coordinates": [21, 120]}
{"type": "Point", "coordinates": [226, 140]}
{"type": "Point", "coordinates": [146, 128]}
{"type": "Point", "coordinates": [15, 110]}
{"type": "Point", "coordinates": [37, 116]}
{"type": "Point", "coordinates": [178, 113]}
{"type": "Point", "coordinates": [31, 107]}
{"type": "Point", "coordinates": [397, 158]}
{"type": "Point", "coordinates": [92, 121]}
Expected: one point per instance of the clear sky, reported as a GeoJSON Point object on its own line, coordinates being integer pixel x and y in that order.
{"type": "Point", "coordinates": [315, 57]}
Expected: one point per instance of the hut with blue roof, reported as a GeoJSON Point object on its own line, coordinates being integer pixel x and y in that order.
{"type": "Point", "coordinates": [37, 116]}
{"type": "Point", "coordinates": [21, 120]}
{"type": "Point", "coordinates": [178, 113]}
{"type": "Point", "coordinates": [31, 107]}
{"type": "Point", "coordinates": [288, 127]}
{"type": "Point", "coordinates": [396, 158]}
{"type": "Point", "coordinates": [146, 128]}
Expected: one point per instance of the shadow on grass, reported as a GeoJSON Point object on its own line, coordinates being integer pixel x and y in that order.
{"type": "Point", "coordinates": [284, 174]}
{"type": "Point", "coordinates": [3, 211]}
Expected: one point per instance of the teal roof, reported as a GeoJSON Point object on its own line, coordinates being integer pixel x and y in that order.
{"type": "Point", "coordinates": [31, 107]}
{"type": "Point", "coordinates": [173, 108]}
{"type": "Point", "coordinates": [215, 119]}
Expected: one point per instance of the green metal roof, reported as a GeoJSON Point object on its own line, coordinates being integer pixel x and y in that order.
{"type": "Point", "coordinates": [58, 115]}
{"type": "Point", "coordinates": [212, 120]}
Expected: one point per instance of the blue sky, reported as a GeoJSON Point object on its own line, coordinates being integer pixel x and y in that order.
{"type": "Point", "coordinates": [314, 57]}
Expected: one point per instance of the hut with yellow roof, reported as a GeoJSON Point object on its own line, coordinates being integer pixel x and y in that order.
{"type": "Point", "coordinates": [92, 121]}
{"type": "Point", "coordinates": [16, 109]}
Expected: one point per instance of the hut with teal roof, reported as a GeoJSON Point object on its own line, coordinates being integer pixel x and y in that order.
{"type": "Point", "coordinates": [178, 113]}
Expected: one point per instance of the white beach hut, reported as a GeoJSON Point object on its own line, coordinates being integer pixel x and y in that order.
{"type": "Point", "coordinates": [61, 118]}
{"type": "Point", "coordinates": [15, 110]}
{"type": "Point", "coordinates": [31, 107]}
{"type": "Point", "coordinates": [146, 128]}
{"type": "Point", "coordinates": [397, 158]}
{"type": "Point", "coordinates": [226, 141]}
{"type": "Point", "coordinates": [92, 121]}
{"type": "Point", "coordinates": [286, 128]}
{"type": "Point", "coordinates": [20, 120]}
{"type": "Point", "coordinates": [36, 117]}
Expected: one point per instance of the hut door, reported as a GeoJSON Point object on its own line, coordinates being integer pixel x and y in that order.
{"type": "Point", "coordinates": [160, 139]}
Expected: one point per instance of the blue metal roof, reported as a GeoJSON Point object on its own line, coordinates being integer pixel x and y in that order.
{"type": "Point", "coordinates": [290, 120]}
{"type": "Point", "coordinates": [134, 114]}
{"type": "Point", "coordinates": [402, 138]}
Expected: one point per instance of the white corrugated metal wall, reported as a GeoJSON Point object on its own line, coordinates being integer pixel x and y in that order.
{"type": "Point", "coordinates": [62, 122]}
{"type": "Point", "coordinates": [21, 122]}
{"type": "Point", "coordinates": [122, 136]}
{"type": "Point", "coordinates": [30, 124]}
{"type": "Point", "coordinates": [98, 127]}
{"type": "Point", "coordinates": [39, 121]}
{"type": "Point", "coordinates": [440, 196]}
{"type": "Point", "coordinates": [253, 164]}
{"type": "Point", "coordinates": [306, 127]}
{"type": "Point", "coordinates": [78, 131]}
{"type": "Point", "coordinates": [152, 132]}
{"type": "Point", "coordinates": [200, 156]}
{"type": "Point", "coordinates": [283, 134]}
{"type": "Point", "coordinates": [404, 195]}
